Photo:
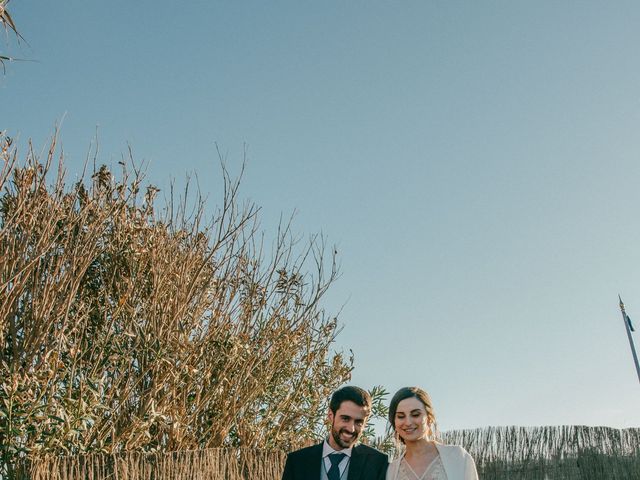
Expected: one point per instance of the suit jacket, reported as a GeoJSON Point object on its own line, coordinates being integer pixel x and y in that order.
{"type": "Point", "coordinates": [456, 461]}
{"type": "Point", "coordinates": [306, 464]}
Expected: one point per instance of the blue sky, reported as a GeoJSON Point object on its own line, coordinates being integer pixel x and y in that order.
{"type": "Point", "coordinates": [476, 164]}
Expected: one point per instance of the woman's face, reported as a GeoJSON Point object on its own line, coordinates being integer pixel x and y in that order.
{"type": "Point", "coordinates": [411, 420]}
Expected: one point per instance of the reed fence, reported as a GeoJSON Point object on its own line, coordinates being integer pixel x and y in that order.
{"type": "Point", "coordinates": [208, 464]}
{"type": "Point", "coordinates": [513, 453]}
{"type": "Point", "coordinates": [567, 452]}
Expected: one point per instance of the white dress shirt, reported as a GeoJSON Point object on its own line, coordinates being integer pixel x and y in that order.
{"type": "Point", "coordinates": [328, 450]}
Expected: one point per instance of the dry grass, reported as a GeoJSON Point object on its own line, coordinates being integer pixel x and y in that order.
{"type": "Point", "coordinates": [125, 329]}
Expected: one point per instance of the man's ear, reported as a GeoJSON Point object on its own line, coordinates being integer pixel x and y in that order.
{"type": "Point", "coordinates": [329, 417]}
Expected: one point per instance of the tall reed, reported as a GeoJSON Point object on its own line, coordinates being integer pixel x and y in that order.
{"type": "Point", "coordinates": [6, 22]}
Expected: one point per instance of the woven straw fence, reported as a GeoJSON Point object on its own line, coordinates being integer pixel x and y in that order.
{"type": "Point", "coordinates": [513, 453]}
{"type": "Point", "coordinates": [568, 452]}
{"type": "Point", "coordinates": [210, 464]}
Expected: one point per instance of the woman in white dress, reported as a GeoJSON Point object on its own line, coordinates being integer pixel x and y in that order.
{"type": "Point", "coordinates": [412, 418]}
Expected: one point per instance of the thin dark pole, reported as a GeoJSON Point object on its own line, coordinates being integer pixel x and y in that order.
{"type": "Point", "coordinates": [626, 326]}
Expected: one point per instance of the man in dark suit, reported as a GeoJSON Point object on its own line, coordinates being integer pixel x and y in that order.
{"type": "Point", "coordinates": [338, 457]}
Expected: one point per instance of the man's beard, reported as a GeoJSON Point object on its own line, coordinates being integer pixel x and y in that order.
{"type": "Point", "coordinates": [336, 437]}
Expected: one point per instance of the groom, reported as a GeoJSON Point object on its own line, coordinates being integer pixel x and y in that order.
{"type": "Point", "coordinates": [338, 457]}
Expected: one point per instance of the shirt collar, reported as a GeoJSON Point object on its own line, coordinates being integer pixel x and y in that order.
{"type": "Point", "coordinates": [328, 450]}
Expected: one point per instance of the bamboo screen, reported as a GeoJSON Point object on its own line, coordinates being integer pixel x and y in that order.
{"type": "Point", "coordinates": [513, 453]}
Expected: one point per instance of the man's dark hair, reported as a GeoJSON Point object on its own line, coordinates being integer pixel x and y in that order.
{"type": "Point", "coordinates": [350, 393]}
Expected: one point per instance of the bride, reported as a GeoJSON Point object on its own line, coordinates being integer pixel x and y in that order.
{"type": "Point", "coordinates": [412, 418]}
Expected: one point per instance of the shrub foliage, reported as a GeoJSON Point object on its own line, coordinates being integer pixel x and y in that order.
{"type": "Point", "coordinates": [128, 328]}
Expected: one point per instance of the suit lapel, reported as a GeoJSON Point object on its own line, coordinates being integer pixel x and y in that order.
{"type": "Point", "coordinates": [356, 465]}
{"type": "Point", "coordinates": [313, 462]}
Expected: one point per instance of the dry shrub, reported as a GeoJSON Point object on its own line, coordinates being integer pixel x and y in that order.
{"type": "Point", "coordinates": [127, 330]}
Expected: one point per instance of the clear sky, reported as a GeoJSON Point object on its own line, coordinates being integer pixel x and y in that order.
{"type": "Point", "coordinates": [476, 163]}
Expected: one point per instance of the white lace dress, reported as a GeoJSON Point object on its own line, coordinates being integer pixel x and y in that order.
{"type": "Point", "coordinates": [435, 471]}
{"type": "Point", "coordinates": [452, 463]}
